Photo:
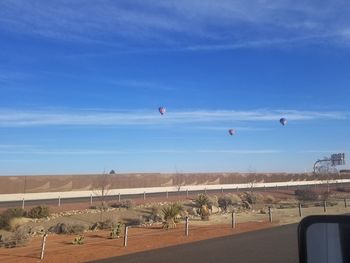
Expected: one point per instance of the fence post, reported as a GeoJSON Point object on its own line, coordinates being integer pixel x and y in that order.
{"type": "Point", "coordinates": [345, 204]}
{"type": "Point", "coordinates": [167, 194]}
{"type": "Point", "coordinates": [186, 226]}
{"type": "Point", "coordinates": [324, 206]}
{"type": "Point", "coordinates": [205, 190]}
{"type": "Point", "coordinates": [237, 189]}
{"type": "Point", "coordinates": [270, 214]}
{"type": "Point", "coordinates": [118, 197]}
{"type": "Point", "coordinates": [23, 203]}
{"type": "Point", "coordinates": [59, 201]}
{"type": "Point", "coordinates": [186, 192]}
{"type": "Point", "coordinates": [300, 211]}
{"type": "Point", "coordinates": [222, 190]}
{"type": "Point", "coordinates": [43, 247]}
{"type": "Point", "coordinates": [90, 199]}
{"type": "Point", "coordinates": [144, 195]}
{"type": "Point", "coordinates": [233, 223]}
{"type": "Point", "coordinates": [126, 236]}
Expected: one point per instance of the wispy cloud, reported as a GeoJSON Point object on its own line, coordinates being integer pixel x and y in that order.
{"type": "Point", "coordinates": [324, 151]}
{"type": "Point", "coordinates": [196, 24]}
{"type": "Point", "coordinates": [13, 118]}
{"type": "Point", "coordinates": [95, 152]}
{"type": "Point", "coordinates": [141, 85]}
{"type": "Point", "coordinates": [221, 128]}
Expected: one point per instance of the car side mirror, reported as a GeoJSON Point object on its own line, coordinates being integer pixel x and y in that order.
{"type": "Point", "coordinates": [324, 239]}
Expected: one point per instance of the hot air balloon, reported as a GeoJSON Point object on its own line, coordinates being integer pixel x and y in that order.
{"type": "Point", "coordinates": [162, 110]}
{"type": "Point", "coordinates": [231, 132]}
{"type": "Point", "coordinates": [283, 121]}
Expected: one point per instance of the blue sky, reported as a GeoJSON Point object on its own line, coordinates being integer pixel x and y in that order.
{"type": "Point", "coordinates": [81, 82]}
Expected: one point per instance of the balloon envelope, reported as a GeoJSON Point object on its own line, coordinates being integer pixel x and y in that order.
{"type": "Point", "coordinates": [231, 131]}
{"type": "Point", "coordinates": [161, 110]}
{"type": "Point", "coordinates": [283, 121]}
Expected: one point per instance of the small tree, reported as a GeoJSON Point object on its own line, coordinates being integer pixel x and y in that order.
{"type": "Point", "coordinates": [179, 181]}
{"type": "Point", "coordinates": [103, 189]}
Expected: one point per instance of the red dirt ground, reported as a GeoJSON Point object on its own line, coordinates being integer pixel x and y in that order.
{"type": "Point", "coordinates": [59, 248]}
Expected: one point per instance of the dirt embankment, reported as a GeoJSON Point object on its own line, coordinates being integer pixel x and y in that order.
{"type": "Point", "coordinates": [63, 183]}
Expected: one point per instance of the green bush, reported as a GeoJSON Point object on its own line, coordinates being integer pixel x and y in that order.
{"type": "Point", "coordinates": [203, 200]}
{"type": "Point", "coordinates": [79, 240]}
{"type": "Point", "coordinates": [169, 214]}
{"type": "Point", "coordinates": [39, 212]}
{"type": "Point", "coordinates": [116, 231]}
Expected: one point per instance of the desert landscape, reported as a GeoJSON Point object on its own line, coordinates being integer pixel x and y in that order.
{"type": "Point", "coordinates": [81, 232]}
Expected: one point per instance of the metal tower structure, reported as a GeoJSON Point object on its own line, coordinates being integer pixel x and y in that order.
{"type": "Point", "coordinates": [327, 165]}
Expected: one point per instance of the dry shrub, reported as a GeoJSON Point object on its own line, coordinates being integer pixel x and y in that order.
{"type": "Point", "coordinates": [107, 224]}
{"type": "Point", "coordinates": [252, 198]}
{"type": "Point", "coordinates": [40, 211]}
{"type": "Point", "coordinates": [127, 203]}
{"type": "Point", "coordinates": [62, 228]}
{"type": "Point", "coordinates": [19, 238]}
{"type": "Point", "coordinates": [17, 222]}
{"type": "Point", "coordinates": [306, 195]}
{"type": "Point", "coordinates": [269, 199]}
{"type": "Point", "coordinates": [325, 195]}
{"type": "Point", "coordinates": [228, 200]}
{"type": "Point", "coordinates": [155, 214]}
{"type": "Point", "coordinates": [8, 215]}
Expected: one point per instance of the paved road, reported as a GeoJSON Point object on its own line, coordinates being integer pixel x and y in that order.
{"type": "Point", "coordinates": [274, 245]}
{"type": "Point", "coordinates": [7, 204]}
{"type": "Point", "coordinates": [113, 198]}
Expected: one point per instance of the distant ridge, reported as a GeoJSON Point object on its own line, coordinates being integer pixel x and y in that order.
{"type": "Point", "coordinates": [65, 183]}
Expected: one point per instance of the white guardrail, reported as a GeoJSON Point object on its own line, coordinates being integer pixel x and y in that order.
{"type": "Point", "coordinates": [152, 190]}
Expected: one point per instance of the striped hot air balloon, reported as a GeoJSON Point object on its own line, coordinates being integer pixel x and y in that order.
{"type": "Point", "coordinates": [162, 110]}
{"type": "Point", "coordinates": [231, 132]}
{"type": "Point", "coordinates": [283, 121]}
